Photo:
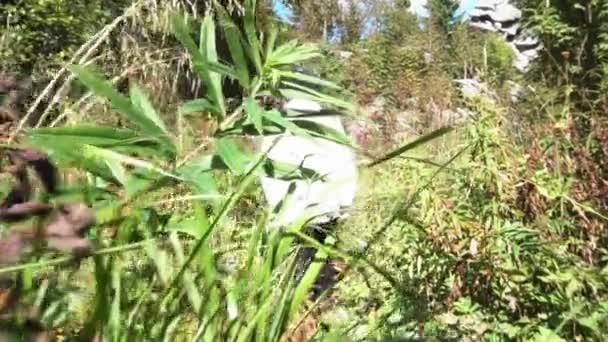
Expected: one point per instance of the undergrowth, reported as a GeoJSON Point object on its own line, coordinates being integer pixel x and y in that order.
{"type": "Point", "coordinates": [470, 260]}
{"type": "Point", "coordinates": [476, 233]}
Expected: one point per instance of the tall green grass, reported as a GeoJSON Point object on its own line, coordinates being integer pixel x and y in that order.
{"type": "Point", "coordinates": [159, 274]}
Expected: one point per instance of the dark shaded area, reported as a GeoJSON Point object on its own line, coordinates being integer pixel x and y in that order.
{"type": "Point", "coordinates": [328, 276]}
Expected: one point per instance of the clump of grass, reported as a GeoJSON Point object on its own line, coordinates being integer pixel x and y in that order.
{"type": "Point", "coordinates": [158, 274]}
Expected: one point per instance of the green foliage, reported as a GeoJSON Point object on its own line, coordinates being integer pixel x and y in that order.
{"type": "Point", "coordinates": [485, 55]}
{"type": "Point", "coordinates": [472, 238]}
{"type": "Point", "coordinates": [45, 33]}
{"type": "Point", "coordinates": [189, 286]}
{"type": "Point", "coordinates": [472, 263]}
{"type": "Point", "coordinates": [380, 68]}
{"type": "Point", "coordinates": [352, 22]}
{"type": "Point", "coordinates": [317, 19]}
{"type": "Point", "coordinates": [574, 38]}
{"type": "Point", "coordinates": [441, 13]}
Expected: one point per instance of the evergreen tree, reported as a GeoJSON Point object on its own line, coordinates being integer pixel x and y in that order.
{"type": "Point", "coordinates": [352, 22]}
{"type": "Point", "coordinates": [316, 19]}
{"type": "Point", "coordinates": [441, 13]}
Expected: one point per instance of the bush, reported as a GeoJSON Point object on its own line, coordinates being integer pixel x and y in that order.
{"type": "Point", "coordinates": [468, 260]}
{"type": "Point", "coordinates": [44, 34]}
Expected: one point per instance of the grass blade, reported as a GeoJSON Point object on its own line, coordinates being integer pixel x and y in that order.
{"type": "Point", "coordinates": [198, 105]}
{"type": "Point", "coordinates": [254, 112]}
{"type": "Point", "coordinates": [236, 47]}
{"type": "Point", "coordinates": [252, 36]}
{"type": "Point", "coordinates": [201, 56]}
{"type": "Point", "coordinates": [228, 204]}
{"type": "Point", "coordinates": [418, 142]}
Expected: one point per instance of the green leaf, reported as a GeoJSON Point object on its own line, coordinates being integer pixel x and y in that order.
{"type": "Point", "coordinates": [105, 154]}
{"type": "Point", "coordinates": [208, 48]}
{"type": "Point", "coordinates": [143, 105]}
{"type": "Point", "coordinates": [302, 92]}
{"type": "Point", "coordinates": [291, 53]}
{"type": "Point", "coordinates": [94, 135]}
{"type": "Point", "coordinates": [287, 171]}
{"type": "Point", "coordinates": [281, 310]}
{"type": "Point", "coordinates": [252, 35]}
{"type": "Point", "coordinates": [422, 140]}
{"type": "Point", "coordinates": [219, 69]}
{"type": "Point", "coordinates": [189, 226]}
{"type": "Point", "coordinates": [271, 40]}
{"type": "Point", "coordinates": [114, 319]}
{"type": "Point", "coordinates": [199, 176]}
{"type": "Point", "coordinates": [254, 112]}
{"type": "Point", "coordinates": [232, 155]}
{"type": "Point", "coordinates": [322, 131]}
{"type": "Point", "coordinates": [276, 117]}
{"type": "Point", "coordinates": [235, 46]}
{"type": "Point", "coordinates": [244, 184]}
{"type": "Point", "coordinates": [547, 335]}
{"type": "Point", "coordinates": [118, 170]}
{"type": "Point", "coordinates": [139, 180]}
{"type": "Point", "coordinates": [203, 56]}
{"type": "Point", "coordinates": [198, 105]}
{"type": "Point", "coordinates": [67, 153]}
{"type": "Point", "coordinates": [306, 283]}
{"type": "Point", "coordinates": [198, 172]}
{"type": "Point", "coordinates": [120, 140]}
{"type": "Point", "coordinates": [101, 87]}
{"type": "Point", "coordinates": [309, 79]}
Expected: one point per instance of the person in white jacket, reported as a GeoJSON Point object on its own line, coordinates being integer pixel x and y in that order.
{"type": "Point", "coordinates": [323, 201]}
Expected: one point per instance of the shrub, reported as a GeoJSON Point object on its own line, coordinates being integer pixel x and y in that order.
{"type": "Point", "coordinates": [469, 262]}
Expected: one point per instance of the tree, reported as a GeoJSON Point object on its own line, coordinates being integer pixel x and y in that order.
{"type": "Point", "coordinates": [47, 32]}
{"type": "Point", "coordinates": [441, 13]}
{"type": "Point", "coordinates": [317, 19]}
{"type": "Point", "coordinates": [352, 22]}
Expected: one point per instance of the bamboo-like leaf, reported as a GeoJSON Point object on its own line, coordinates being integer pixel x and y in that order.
{"type": "Point", "coordinates": [142, 103]}
{"type": "Point", "coordinates": [308, 93]}
{"type": "Point", "coordinates": [306, 283]}
{"type": "Point", "coordinates": [235, 45]}
{"type": "Point", "coordinates": [322, 131]}
{"type": "Point", "coordinates": [118, 170]}
{"type": "Point", "coordinates": [194, 295]}
{"type": "Point", "coordinates": [232, 155]}
{"type": "Point", "coordinates": [94, 135]}
{"type": "Point", "coordinates": [288, 171]}
{"type": "Point", "coordinates": [309, 79]}
{"type": "Point", "coordinates": [422, 140]}
{"type": "Point", "coordinates": [199, 176]}
{"type": "Point", "coordinates": [201, 57]}
{"type": "Point", "coordinates": [254, 242]}
{"type": "Point", "coordinates": [115, 320]}
{"type": "Point", "coordinates": [277, 118]}
{"type": "Point", "coordinates": [68, 153]}
{"type": "Point", "coordinates": [220, 70]}
{"type": "Point", "coordinates": [291, 53]}
{"type": "Point", "coordinates": [104, 154]}
{"type": "Point", "coordinates": [101, 87]}
{"type": "Point", "coordinates": [281, 311]}
{"type": "Point", "coordinates": [254, 112]}
{"type": "Point", "coordinates": [208, 48]}
{"type": "Point", "coordinates": [256, 321]}
{"type": "Point", "coordinates": [252, 35]}
{"type": "Point", "coordinates": [198, 105]}
{"type": "Point", "coordinates": [271, 40]}
{"type": "Point", "coordinates": [227, 205]}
